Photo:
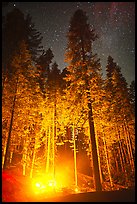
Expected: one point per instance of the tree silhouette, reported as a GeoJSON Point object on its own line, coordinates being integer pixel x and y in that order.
{"type": "Point", "coordinates": [81, 65]}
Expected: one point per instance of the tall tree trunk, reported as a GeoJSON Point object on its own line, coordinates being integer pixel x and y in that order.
{"type": "Point", "coordinates": [54, 131]}
{"type": "Point", "coordinates": [129, 143]}
{"type": "Point", "coordinates": [46, 146]}
{"type": "Point", "coordinates": [53, 144]}
{"type": "Point", "coordinates": [48, 150]}
{"type": "Point", "coordinates": [10, 129]}
{"type": "Point", "coordinates": [107, 158]}
{"type": "Point", "coordinates": [97, 180]}
{"type": "Point", "coordinates": [3, 155]}
{"type": "Point", "coordinates": [121, 153]}
{"type": "Point", "coordinates": [75, 159]}
{"type": "Point", "coordinates": [4, 78]}
{"type": "Point", "coordinates": [5, 144]}
{"type": "Point", "coordinates": [90, 150]}
{"type": "Point", "coordinates": [96, 171]}
{"type": "Point", "coordinates": [99, 164]}
{"type": "Point", "coordinates": [24, 155]}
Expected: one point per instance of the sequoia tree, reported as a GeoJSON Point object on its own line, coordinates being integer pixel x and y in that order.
{"type": "Point", "coordinates": [82, 66]}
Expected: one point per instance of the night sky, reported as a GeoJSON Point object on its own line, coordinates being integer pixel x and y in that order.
{"type": "Point", "coordinates": [114, 22]}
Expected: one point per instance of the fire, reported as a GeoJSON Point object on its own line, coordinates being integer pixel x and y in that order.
{"type": "Point", "coordinates": [61, 181]}
{"type": "Point", "coordinates": [43, 185]}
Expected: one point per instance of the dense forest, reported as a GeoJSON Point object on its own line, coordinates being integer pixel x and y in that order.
{"type": "Point", "coordinates": [70, 122]}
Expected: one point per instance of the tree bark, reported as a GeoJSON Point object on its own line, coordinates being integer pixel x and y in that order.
{"type": "Point", "coordinates": [75, 159]}
{"type": "Point", "coordinates": [96, 171]}
{"type": "Point", "coordinates": [129, 143]}
{"type": "Point", "coordinates": [48, 149]}
{"type": "Point", "coordinates": [97, 180]}
{"type": "Point", "coordinates": [107, 158]}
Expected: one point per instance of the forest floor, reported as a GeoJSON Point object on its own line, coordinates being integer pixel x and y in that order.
{"type": "Point", "coordinates": [17, 188]}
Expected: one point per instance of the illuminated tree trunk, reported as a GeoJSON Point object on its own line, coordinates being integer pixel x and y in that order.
{"type": "Point", "coordinates": [129, 146]}
{"type": "Point", "coordinates": [99, 165]}
{"type": "Point", "coordinates": [3, 80]}
{"type": "Point", "coordinates": [3, 155]}
{"type": "Point", "coordinates": [10, 129]}
{"type": "Point", "coordinates": [24, 155]}
{"type": "Point", "coordinates": [97, 180]}
{"type": "Point", "coordinates": [121, 154]}
{"type": "Point", "coordinates": [11, 155]}
{"type": "Point", "coordinates": [119, 150]}
{"type": "Point", "coordinates": [107, 159]}
{"type": "Point", "coordinates": [75, 159]}
{"type": "Point", "coordinates": [126, 152]}
{"type": "Point", "coordinates": [33, 160]}
{"type": "Point", "coordinates": [53, 144]}
{"type": "Point", "coordinates": [128, 156]}
{"type": "Point", "coordinates": [80, 38]}
{"type": "Point", "coordinates": [125, 148]}
{"type": "Point", "coordinates": [96, 170]}
{"type": "Point", "coordinates": [90, 149]}
{"type": "Point", "coordinates": [48, 150]}
{"type": "Point", "coordinates": [46, 146]}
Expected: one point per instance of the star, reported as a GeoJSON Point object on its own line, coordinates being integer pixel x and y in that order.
{"type": "Point", "coordinates": [113, 22]}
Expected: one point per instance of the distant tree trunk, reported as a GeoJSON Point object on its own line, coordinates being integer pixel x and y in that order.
{"type": "Point", "coordinates": [116, 162]}
{"type": "Point", "coordinates": [114, 157]}
{"type": "Point", "coordinates": [10, 129]}
{"type": "Point", "coordinates": [11, 156]}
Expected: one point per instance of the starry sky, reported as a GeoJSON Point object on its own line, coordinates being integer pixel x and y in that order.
{"type": "Point", "coordinates": [114, 22]}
